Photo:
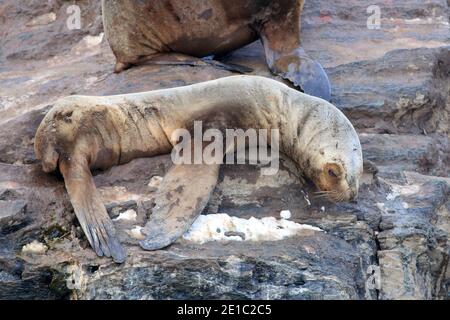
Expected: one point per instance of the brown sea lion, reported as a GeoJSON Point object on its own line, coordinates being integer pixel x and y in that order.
{"type": "Point", "coordinates": [145, 30]}
{"type": "Point", "coordinates": [82, 133]}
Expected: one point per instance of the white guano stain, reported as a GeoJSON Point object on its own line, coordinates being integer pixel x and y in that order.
{"type": "Point", "coordinates": [222, 227]}
{"type": "Point", "coordinates": [34, 247]}
{"type": "Point", "coordinates": [129, 215]}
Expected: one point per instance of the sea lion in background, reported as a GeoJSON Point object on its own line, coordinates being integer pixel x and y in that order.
{"type": "Point", "coordinates": [146, 30]}
{"type": "Point", "coordinates": [82, 133]}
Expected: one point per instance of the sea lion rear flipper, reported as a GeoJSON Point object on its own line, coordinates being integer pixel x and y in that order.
{"type": "Point", "coordinates": [182, 196]}
{"type": "Point", "coordinates": [90, 211]}
{"type": "Point", "coordinates": [286, 58]}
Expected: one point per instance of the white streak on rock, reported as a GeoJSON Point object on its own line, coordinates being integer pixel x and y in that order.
{"type": "Point", "coordinates": [305, 196]}
{"type": "Point", "coordinates": [155, 181]}
{"type": "Point", "coordinates": [213, 227]}
{"type": "Point", "coordinates": [91, 41]}
{"type": "Point", "coordinates": [285, 214]}
{"type": "Point", "coordinates": [34, 247]}
{"type": "Point", "coordinates": [404, 190]}
{"type": "Point", "coordinates": [136, 233]}
{"type": "Point", "coordinates": [129, 215]}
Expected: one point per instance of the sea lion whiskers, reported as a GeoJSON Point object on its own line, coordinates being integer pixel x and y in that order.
{"type": "Point", "coordinates": [334, 196]}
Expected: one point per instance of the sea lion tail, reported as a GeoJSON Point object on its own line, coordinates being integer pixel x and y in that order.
{"type": "Point", "coordinates": [182, 196]}
{"type": "Point", "coordinates": [90, 211]}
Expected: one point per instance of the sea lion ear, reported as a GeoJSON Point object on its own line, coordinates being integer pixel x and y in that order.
{"type": "Point", "coordinates": [333, 170]}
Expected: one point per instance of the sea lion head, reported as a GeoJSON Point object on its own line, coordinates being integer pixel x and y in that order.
{"type": "Point", "coordinates": [56, 133]}
{"type": "Point", "coordinates": [45, 144]}
{"type": "Point", "coordinates": [335, 162]}
{"type": "Point", "coordinates": [338, 177]}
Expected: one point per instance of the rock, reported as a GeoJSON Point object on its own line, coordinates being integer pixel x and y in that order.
{"type": "Point", "coordinates": [34, 247]}
{"type": "Point", "coordinates": [38, 30]}
{"type": "Point", "coordinates": [394, 154]}
{"type": "Point", "coordinates": [235, 234]}
{"type": "Point", "coordinates": [285, 214]}
{"type": "Point", "coordinates": [42, 20]}
{"type": "Point", "coordinates": [136, 233]}
{"type": "Point", "coordinates": [9, 209]}
{"type": "Point", "coordinates": [412, 244]}
{"type": "Point", "coordinates": [115, 209]}
{"type": "Point", "coordinates": [339, 34]}
{"type": "Point", "coordinates": [129, 215]}
{"type": "Point", "coordinates": [408, 96]}
{"type": "Point", "coordinates": [11, 213]}
{"type": "Point", "coordinates": [19, 148]}
{"type": "Point", "coordinates": [155, 181]}
{"type": "Point", "coordinates": [392, 83]}
{"type": "Point", "coordinates": [222, 227]}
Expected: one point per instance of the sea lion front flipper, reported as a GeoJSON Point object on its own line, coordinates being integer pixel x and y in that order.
{"type": "Point", "coordinates": [90, 211]}
{"type": "Point", "coordinates": [182, 196]}
{"type": "Point", "coordinates": [286, 57]}
{"type": "Point", "coordinates": [301, 70]}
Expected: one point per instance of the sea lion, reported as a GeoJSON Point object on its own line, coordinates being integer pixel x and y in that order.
{"type": "Point", "coordinates": [146, 30]}
{"type": "Point", "coordinates": [82, 133]}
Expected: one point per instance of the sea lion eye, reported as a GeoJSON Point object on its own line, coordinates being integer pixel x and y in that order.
{"type": "Point", "coordinates": [331, 173]}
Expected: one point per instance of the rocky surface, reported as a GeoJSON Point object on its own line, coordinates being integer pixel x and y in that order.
{"type": "Point", "coordinates": [393, 83]}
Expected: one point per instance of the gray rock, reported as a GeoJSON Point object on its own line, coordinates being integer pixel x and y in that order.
{"type": "Point", "coordinates": [402, 92]}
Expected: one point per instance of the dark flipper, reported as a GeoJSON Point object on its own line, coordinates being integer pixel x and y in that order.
{"type": "Point", "coordinates": [177, 59]}
{"type": "Point", "coordinates": [310, 77]}
{"type": "Point", "coordinates": [182, 196]}
{"type": "Point", "coordinates": [90, 211]}
{"type": "Point", "coordinates": [302, 71]}
{"type": "Point", "coordinates": [286, 58]}
{"type": "Point", "coordinates": [232, 67]}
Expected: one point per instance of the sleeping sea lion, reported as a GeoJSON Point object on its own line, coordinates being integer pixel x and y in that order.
{"type": "Point", "coordinates": [82, 133]}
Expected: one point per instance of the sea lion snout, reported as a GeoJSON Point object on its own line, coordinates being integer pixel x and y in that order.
{"type": "Point", "coordinates": [336, 183]}
{"type": "Point", "coordinates": [45, 147]}
{"type": "Point", "coordinates": [50, 160]}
